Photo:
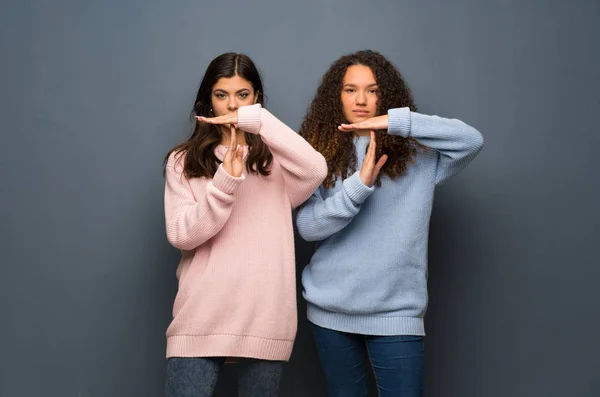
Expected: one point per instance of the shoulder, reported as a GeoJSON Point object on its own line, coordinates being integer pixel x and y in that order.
{"type": "Point", "coordinates": [176, 161]}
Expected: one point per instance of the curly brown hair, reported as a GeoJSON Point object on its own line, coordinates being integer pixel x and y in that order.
{"type": "Point", "coordinates": [325, 114]}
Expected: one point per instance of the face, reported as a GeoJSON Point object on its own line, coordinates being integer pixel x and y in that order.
{"type": "Point", "coordinates": [359, 94]}
{"type": "Point", "coordinates": [229, 93]}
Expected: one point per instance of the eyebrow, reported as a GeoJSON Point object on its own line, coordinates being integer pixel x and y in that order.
{"type": "Point", "coordinates": [354, 85]}
{"type": "Point", "coordinates": [237, 92]}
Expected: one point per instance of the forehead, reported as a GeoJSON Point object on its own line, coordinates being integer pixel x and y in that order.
{"type": "Point", "coordinates": [232, 84]}
{"type": "Point", "coordinates": [359, 75]}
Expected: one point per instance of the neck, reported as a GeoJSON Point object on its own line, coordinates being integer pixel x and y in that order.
{"type": "Point", "coordinates": [363, 132]}
{"type": "Point", "coordinates": [226, 136]}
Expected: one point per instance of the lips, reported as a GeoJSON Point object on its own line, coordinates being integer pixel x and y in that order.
{"type": "Point", "coordinates": [360, 112]}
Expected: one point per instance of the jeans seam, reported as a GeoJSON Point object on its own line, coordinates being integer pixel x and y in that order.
{"type": "Point", "coordinates": [371, 364]}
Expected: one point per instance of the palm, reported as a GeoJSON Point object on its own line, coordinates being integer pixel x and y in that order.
{"type": "Point", "coordinates": [370, 170]}
{"type": "Point", "coordinates": [374, 123]}
{"type": "Point", "coordinates": [226, 119]}
{"type": "Point", "coordinates": [233, 160]}
{"type": "Point", "coordinates": [237, 164]}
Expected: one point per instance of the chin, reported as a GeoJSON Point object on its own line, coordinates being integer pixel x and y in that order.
{"type": "Point", "coordinates": [358, 119]}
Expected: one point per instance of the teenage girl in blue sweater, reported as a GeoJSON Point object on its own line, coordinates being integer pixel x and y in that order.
{"type": "Point", "coordinates": [366, 284]}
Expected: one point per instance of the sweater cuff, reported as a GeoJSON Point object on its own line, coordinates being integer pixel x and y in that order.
{"type": "Point", "coordinates": [356, 189]}
{"type": "Point", "coordinates": [399, 122]}
{"type": "Point", "coordinates": [225, 182]}
{"type": "Point", "coordinates": [249, 118]}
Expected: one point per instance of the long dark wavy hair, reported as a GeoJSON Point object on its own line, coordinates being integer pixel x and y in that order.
{"type": "Point", "coordinates": [325, 114]}
{"type": "Point", "coordinates": [199, 149]}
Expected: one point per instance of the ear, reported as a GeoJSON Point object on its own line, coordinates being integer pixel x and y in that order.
{"type": "Point", "coordinates": [256, 97]}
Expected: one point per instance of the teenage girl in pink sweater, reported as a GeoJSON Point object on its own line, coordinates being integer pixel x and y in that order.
{"type": "Point", "coordinates": [229, 193]}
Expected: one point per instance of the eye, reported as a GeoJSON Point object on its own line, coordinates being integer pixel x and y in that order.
{"type": "Point", "coordinates": [220, 95]}
{"type": "Point", "coordinates": [373, 91]}
{"type": "Point", "coordinates": [349, 90]}
{"type": "Point", "coordinates": [244, 95]}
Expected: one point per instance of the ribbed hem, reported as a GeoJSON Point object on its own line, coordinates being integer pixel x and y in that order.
{"type": "Point", "coordinates": [226, 345]}
{"type": "Point", "coordinates": [356, 189]}
{"type": "Point", "coordinates": [225, 182]}
{"type": "Point", "coordinates": [365, 325]}
{"type": "Point", "coordinates": [249, 118]}
{"type": "Point", "coordinates": [399, 122]}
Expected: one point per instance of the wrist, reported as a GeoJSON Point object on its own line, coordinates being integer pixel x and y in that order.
{"type": "Point", "coordinates": [365, 180]}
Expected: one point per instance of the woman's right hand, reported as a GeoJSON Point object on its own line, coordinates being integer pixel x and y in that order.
{"type": "Point", "coordinates": [370, 169]}
{"type": "Point", "coordinates": [233, 160]}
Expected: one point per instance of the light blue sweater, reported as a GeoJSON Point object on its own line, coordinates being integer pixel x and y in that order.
{"type": "Point", "coordinates": [369, 272]}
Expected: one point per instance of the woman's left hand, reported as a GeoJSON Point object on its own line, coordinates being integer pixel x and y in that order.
{"type": "Point", "coordinates": [226, 119]}
{"type": "Point", "coordinates": [374, 123]}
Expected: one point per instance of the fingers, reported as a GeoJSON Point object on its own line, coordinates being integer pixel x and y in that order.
{"type": "Point", "coordinates": [372, 147]}
{"type": "Point", "coordinates": [233, 139]}
{"type": "Point", "coordinates": [380, 164]}
{"type": "Point", "coordinates": [351, 127]}
{"type": "Point", "coordinates": [370, 170]}
{"type": "Point", "coordinates": [230, 118]}
{"type": "Point", "coordinates": [209, 120]}
{"type": "Point", "coordinates": [231, 149]}
{"type": "Point", "coordinates": [374, 123]}
{"type": "Point", "coordinates": [239, 154]}
{"type": "Point", "coordinates": [369, 159]}
{"type": "Point", "coordinates": [373, 142]}
{"type": "Point", "coordinates": [382, 159]}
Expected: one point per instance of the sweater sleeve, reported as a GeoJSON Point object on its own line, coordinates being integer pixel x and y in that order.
{"type": "Point", "coordinates": [455, 142]}
{"type": "Point", "coordinates": [303, 167]}
{"type": "Point", "coordinates": [193, 217]}
{"type": "Point", "coordinates": [319, 218]}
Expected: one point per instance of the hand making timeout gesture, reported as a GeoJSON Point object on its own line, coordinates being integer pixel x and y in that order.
{"type": "Point", "coordinates": [233, 160]}
{"type": "Point", "coordinates": [373, 123]}
{"type": "Point", "coordinates": [369, 169]}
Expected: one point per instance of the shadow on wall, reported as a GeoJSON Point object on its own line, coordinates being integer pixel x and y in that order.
{"type": "Point", "coordinates": [456, 290]}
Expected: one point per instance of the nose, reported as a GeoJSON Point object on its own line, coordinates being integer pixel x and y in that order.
{"type": "Point", "coordinates": [361, 98]}
{"type": "Point", "coordinates": [232, 104]}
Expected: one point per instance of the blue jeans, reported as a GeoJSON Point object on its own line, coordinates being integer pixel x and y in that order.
{"type": "Point", "coordinates": [197, 377]}
{"type": "Point", "coordinates": [397, 363]}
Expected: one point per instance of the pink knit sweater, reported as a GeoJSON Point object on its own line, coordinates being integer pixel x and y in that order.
{"type": "Point", "coordinates": [237, 288]}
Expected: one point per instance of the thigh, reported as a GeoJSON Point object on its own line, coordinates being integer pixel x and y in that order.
{"type": "Point", "coordinates": [258, 378]}
{"type": "Point", "coordinates": [191, 376]}
{"type": "Point", "coordinates": [343, 357]}
{"type": "Point", "coordinates": [397, 363]}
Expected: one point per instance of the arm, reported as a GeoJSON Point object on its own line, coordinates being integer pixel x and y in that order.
{"type": "Point", "coordinates": [303, 167]}
{"type": "Point", "coordinates": [319, 218]}
{"type": "Point", "coordinates": [456, 143]}
{"type": "Point", "coordinates": [192, 219]}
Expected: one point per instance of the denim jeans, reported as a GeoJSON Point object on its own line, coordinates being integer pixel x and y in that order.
{"type": "Point", "coordinates": [197, 377]}
{"type": "Point", "coordinates": [397, 363]}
